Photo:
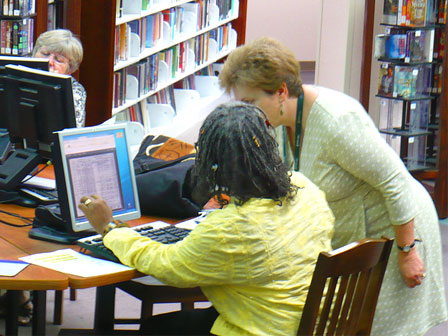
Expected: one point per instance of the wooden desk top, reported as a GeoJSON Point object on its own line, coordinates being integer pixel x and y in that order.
{"type": "Point", "coordinates": [18, 237]}
{"type": "Point", "coordinates": [32, 277]}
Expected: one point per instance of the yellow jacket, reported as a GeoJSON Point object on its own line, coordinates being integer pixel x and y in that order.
{"type": "Point", "coordinates": [253, 262]}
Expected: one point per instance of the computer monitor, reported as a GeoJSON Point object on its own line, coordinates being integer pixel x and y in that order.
{"type": "Point", "coordinates": [38, 103]}
{"type": "Point", "coordinates": [94, 160]}
{"type": "Point", "coordinates": [36, 63]}
{"type": "Point", "coordinates": [31, 62]}
{"type": "Point", "coordinates": [35, 104]}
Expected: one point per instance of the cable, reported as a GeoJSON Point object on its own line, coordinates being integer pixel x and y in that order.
{"type": "Point", "coordinates": [48, 163]}
{"type": "Point", "coordinates": [27, 220]}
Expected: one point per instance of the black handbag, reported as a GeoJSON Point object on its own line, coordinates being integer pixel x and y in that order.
{"type": "Point", "coordinates": [163, 174]}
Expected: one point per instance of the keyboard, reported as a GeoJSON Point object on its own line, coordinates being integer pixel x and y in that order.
{"type": "Point", "coordinates": [158, 231]}
{"type": "Point", "coordinates": [43, 196]}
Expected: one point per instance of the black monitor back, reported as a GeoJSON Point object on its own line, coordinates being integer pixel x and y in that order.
{"type": "Point", "coordinates": [36, 63]}
{"type": "Point", "coordinates": [38, 103]}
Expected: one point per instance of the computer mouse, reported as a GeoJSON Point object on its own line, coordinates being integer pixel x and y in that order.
{"type": "Point", "coordinates": [25, 201]}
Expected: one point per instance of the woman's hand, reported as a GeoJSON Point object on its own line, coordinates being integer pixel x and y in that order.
{"type": "Point", "coordinates": [411, 267]}
{"type": "Point", "coordinates": [97, 211]}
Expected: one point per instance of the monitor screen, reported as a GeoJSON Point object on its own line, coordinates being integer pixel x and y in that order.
{"type": "Point", "coordinates": [37, 104]}
{"type": "Point", "coordinates": [95, 160]}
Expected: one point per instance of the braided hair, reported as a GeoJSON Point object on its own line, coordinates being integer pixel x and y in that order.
{"type": "Point", "coordinates": [237, 156]}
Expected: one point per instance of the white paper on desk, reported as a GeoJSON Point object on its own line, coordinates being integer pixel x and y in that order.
{"type": "Point", "coordinates": [72, 262]}
{"type": "Point", "coordinates": [39, 182]}
{"type": "Point", "coordinates": [11, 267]}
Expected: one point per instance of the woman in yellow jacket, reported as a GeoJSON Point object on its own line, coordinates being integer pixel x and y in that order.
{"type": "Point", "coordinates": [253, 258]}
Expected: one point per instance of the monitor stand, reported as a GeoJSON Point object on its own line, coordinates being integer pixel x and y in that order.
{"type": "Point", "coordinates": [49, 225]}
{"type": "Point", "coordinates": [18, 165]}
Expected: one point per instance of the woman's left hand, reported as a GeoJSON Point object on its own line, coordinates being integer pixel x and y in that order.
{"type": "Point", "coordinates": [411, 268]}
{"type": "Point", "coordinates": [97, 211]}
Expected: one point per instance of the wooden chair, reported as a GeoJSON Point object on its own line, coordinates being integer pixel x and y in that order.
{"type": "Point", "coordinates": [352, 276]}
{"type": "Point", "coordinates": [149, 295]}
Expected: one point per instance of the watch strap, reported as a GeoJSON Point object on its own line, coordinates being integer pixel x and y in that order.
{"type": "Point", "coordinates": [407, 248]}
{"type": "Point", "coordinates": [113, 225]}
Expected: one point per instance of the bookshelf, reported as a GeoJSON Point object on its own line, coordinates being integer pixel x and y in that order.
{"type": "Point", "coordinates": [429, 105]}
{"type": "Point", "coordinates": [96, 23]}
{"type": "Point", "coordinates": [20, 24]}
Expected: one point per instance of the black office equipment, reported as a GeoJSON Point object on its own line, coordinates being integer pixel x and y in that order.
{"type": "Point", "coordinates": [5, 145]}
{"type": "Point", "coordinates": [31, 62]}
{"type": "Point", "coordinates": [158, 231]}
{"type": "Point", "coordinates": [35, 103]}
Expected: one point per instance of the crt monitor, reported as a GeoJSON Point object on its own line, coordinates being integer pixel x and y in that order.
{"type": "Point", "coordinates": [38, 103]}
{"type": "Point", "coordinates": [94, 160]}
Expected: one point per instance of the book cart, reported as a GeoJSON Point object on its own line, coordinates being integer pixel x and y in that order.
{"type": "Point", "coordinates": [411, 85]}
{"type": "Point", "coordinates": [137, 52]}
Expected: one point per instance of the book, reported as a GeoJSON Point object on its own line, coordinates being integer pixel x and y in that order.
{"type": "Point", "coordinates": [395, 47]}
{"type": "Point", "coordinates": [386, 80]}
{"type": "Point", "coordinates": [416, 46]}
{"type": "Point", "coordinates": [405, 80]}
{"type": "Point", "coordinates": [418, 13]}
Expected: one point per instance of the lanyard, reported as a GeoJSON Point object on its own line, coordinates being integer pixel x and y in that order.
{"type": "Point", "coordinates": [299, 114]}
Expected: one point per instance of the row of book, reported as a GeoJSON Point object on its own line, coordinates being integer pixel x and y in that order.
{"type": "Point", "coordinates": [173, 104]}
{"type": "Point", "coordinates": [414, 13]}
{"type": "Point", "coordinates": [411, 46]}
{"type": "Point", "coordinates": [408, 82]}
{"type": "Point", "coordinates": [176, 60]}
{"type": "Point", "coordinates": [138, 112]}
{"type": "Point", "coordinates": [139, 7]}
{"type": "Point", "coordinates": [145, 73]}
{"type": "Point", "coordinates": [16, 36]}
{"type": "Point", "coordinates": [17, 7]}
{"type": "Point", "coordinates": [149, 30]}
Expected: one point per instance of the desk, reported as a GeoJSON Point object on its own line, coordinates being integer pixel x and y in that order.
{"type": "Point", "coordinates": [34, 278]}
{"type": "Point", "coordinates": [105, 294]}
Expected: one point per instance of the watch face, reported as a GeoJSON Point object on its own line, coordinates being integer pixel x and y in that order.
{"type": "Point", "coordinates": [406, 248]}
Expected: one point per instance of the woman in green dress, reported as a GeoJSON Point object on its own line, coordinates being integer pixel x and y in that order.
{"type": "Point", "coordinates": [332, 140]}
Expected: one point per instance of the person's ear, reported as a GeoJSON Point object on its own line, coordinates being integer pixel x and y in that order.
{"type": "Point", "coordinates": [283, 92]}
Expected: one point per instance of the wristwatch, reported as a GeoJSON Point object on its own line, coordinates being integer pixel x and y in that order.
{"type": "Point", "coordinates": [112, 225]}
{"type": "Point", "coordinates": [407, 248]}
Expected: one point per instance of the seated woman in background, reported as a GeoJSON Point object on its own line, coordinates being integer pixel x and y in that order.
{"type": "Point", "coordinates": [366, 184]}
{"type": "Point", "coordinates": [64, 51]}
{"type": "Point", "coordinates": [255, 257]}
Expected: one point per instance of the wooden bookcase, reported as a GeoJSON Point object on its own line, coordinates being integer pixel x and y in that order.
{"type": "Point", "coordinates": [94, 23]}
{"type": "Point", "coordinates": [40, 18]}
{"type": "Point", "coordinates": [435, 180]}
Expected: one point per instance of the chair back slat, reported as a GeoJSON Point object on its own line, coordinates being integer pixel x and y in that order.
{"type": "Point", "coordinates": [355, 273]}
{"type": "Point", "coordinates": [342, 288]}
{"type": "Point", "coordinates": [346, 308]}
{"type": "Point", "coordinates": [358, 302]}
{"type": "Point", "coordinates": [327, 305]}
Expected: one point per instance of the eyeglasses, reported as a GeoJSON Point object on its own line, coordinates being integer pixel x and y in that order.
{"type": "Point", "coordinates": [58, 58]}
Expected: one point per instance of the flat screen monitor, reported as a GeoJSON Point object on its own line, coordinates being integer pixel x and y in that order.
{"type": "Point", "coordinates": [38, 103]}
{"type": "Point", "coordinates": [36, 63]}
{"type": "Point", "coordinates": [31, 62]}
{"type": "Point", "coordinates": [95, 160]}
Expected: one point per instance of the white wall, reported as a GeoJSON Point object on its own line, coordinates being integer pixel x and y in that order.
{"type": "Point", "coordinates": [338, 63]}
{"type": "Point", "coordinates": [326, 31]}
{"type": "Point", "coordinates": [293, 22]}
